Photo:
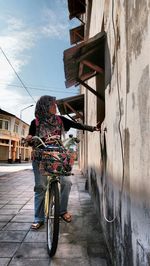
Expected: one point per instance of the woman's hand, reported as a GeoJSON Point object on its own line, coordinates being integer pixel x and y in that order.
{"type": "Point", "coordinates": [29, 138]}
{"type": "Point", "coordinates": [97, 127]}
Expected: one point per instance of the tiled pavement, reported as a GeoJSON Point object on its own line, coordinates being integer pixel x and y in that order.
{"type": "Point", "coordinates": [80, 243]}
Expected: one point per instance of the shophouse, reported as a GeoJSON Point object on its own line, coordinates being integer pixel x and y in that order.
{"type": "Point", "coordinates": [12, 133]}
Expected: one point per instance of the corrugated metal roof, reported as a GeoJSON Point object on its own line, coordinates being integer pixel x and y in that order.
{"type": "Point", "coordinates": [92, 50]}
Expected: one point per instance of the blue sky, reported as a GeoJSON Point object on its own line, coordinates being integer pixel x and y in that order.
{"type": "Point", "coordinates": [33, 36]}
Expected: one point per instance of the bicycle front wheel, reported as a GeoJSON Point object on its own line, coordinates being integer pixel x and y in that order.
{"type": "Point", "coordinates": [53, 219]}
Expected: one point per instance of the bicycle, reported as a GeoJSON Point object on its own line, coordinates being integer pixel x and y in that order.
{"type": "Point", "coordinates": [54, 161]}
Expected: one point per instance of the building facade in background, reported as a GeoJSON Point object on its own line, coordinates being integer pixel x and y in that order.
{"type": "Point", "coordinates": [110, 61]}
{"type": "Point", "coordinates": [12, 132]}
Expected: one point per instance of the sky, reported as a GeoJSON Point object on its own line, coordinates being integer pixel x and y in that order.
{"type": "Point", "coordinates": [33, 37]}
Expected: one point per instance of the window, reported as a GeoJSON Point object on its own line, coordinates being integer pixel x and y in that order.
{"type": "Point", "coordinates": [16, 128]}
{"type": "Point", "coordinates": [4, 124]}
{"type": "Point", "coordinates": [5, 141]}
{"type": "Point", "coordinates": [23, 132]}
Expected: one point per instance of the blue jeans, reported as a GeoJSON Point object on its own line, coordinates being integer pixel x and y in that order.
{"type": "Point", "coordinates": [40, 189]}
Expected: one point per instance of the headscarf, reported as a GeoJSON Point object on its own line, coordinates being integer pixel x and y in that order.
{"type": "Point", "coordinates": [47, 124]}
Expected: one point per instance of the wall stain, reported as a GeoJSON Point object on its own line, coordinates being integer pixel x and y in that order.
{"type": "Point", "coordinates": [122, 107]}
{"type": "Point", "coordinates": [94, 190]}
{"type": "Point", "coordinates": [117, 33]}
{"type": "Point", "coordinates": [143, 101]}
{"type": "Point", "coordinates": [127, 159]}
{"type": "Point", "coordinates": [126, 4]}
{"type": "Point", "coordinates": [127, 243]}
{"type": "Point", "coordinates": [133, 101]}
{"type": "Point", "coordinates": [137, 26]}
{"type": "Point", "coordinates": [144, 122]}
{"type": "Point", "coordinates": [141, 258]}
{"type": "Point", "coordinates": [128, 251]}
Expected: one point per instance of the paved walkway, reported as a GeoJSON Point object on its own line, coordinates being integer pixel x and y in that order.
{"type": "Point", "coordinates": [80, 243]}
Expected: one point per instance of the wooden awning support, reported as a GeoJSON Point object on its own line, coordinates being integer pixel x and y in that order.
{"type": "Point", "coordinates": [73, 110]}
{"type": "Point", "coordinates": [80, 19]}
{"type": "Point", "coordinates": [94, 70]}
{"type": "Point", "coordinates": [90, 89]}
{"type": "Point", "coordinates": [77, 34]}
{"type": "Point", "coordinates": [93, 66]}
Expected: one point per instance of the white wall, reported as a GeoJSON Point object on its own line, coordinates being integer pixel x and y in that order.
{"type": "Point", "coordinates": [127, 119]}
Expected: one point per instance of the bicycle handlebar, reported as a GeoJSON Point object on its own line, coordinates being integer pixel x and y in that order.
{"type": "Point", "coordinates": [42, 142]}
{"type": "Point", "coordinates": [65, 143]}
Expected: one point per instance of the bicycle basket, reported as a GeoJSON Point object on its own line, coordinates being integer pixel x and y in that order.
{"type": "Point", "coordinates": [56, 162]}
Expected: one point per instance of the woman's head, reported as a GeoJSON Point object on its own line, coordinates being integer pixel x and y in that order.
{"type": "Point", "coordinates": [47, 123]}
{"type": "Point", "coordinates": [45, 105]}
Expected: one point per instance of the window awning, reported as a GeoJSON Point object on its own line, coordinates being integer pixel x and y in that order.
{"type": "Point", "coordinates": [76, 8]}
{"type": "Point", "coordinates": [84, 60]}
{"type": "Point", "coordinates": [72, 105]}
{"type": "Point", "coordinates": [77, 34]}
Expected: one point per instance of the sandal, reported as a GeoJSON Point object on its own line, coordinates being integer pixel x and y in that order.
{"type": "Point", "coordinates": [37, 225]}
{"type": "Point", "coordinates": [67, 217]}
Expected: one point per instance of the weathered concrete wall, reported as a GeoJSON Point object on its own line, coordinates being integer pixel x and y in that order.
{"type": "Point", "coordinates": [118, 162]}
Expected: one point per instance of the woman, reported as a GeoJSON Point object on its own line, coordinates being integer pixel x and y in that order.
{"type": "Point", "coordinates": [47, 123]}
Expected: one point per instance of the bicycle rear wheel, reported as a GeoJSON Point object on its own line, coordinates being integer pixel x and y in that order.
{"type": "Point", "coordinates": [53, 219]}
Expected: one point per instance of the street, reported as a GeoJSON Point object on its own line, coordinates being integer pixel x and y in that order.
{"type": "Point", "coordinates": [10, 168]}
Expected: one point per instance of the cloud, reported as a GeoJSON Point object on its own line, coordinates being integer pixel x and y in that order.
{"type": "Point", "coordinates": [14, 100]}
{"type": "Point", "coordinates": [8, 101]}
{"type": "Point", "coordinates": [14, 42]}
{"type": "Point", "coordinates": [55, 24]}
{"type": "Point", "coordinates": [54, 31]}
{"type": "Point", "coordinates": [15, 35]}
{"type": "Point", "coordinates": [14, 23]}
{"type": "Point", "coordinates": [17, 39]}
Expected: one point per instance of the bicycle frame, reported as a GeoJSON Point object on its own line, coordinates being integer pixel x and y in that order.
{"type": "Point", "coordinates": [48, 156]}
{"type": "Point", "coordinates": [50, 180]}
{"type": "Point", "coordinates": [52, 197]}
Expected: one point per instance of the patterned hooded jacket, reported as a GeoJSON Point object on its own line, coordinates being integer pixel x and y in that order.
{"type": "Point", "coordinates": [47, 124]}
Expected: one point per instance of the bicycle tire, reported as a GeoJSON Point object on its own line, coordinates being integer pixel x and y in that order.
{"type": "Point", "coordinates": [53, 219]}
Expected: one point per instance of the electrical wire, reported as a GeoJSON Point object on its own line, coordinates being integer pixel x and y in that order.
{"type": "Point", "coordinates": [41, 88]}
{"type": "Point", "coordinates": [16, 74]}
{"type": "Point", "coordinates": [119, 127]}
